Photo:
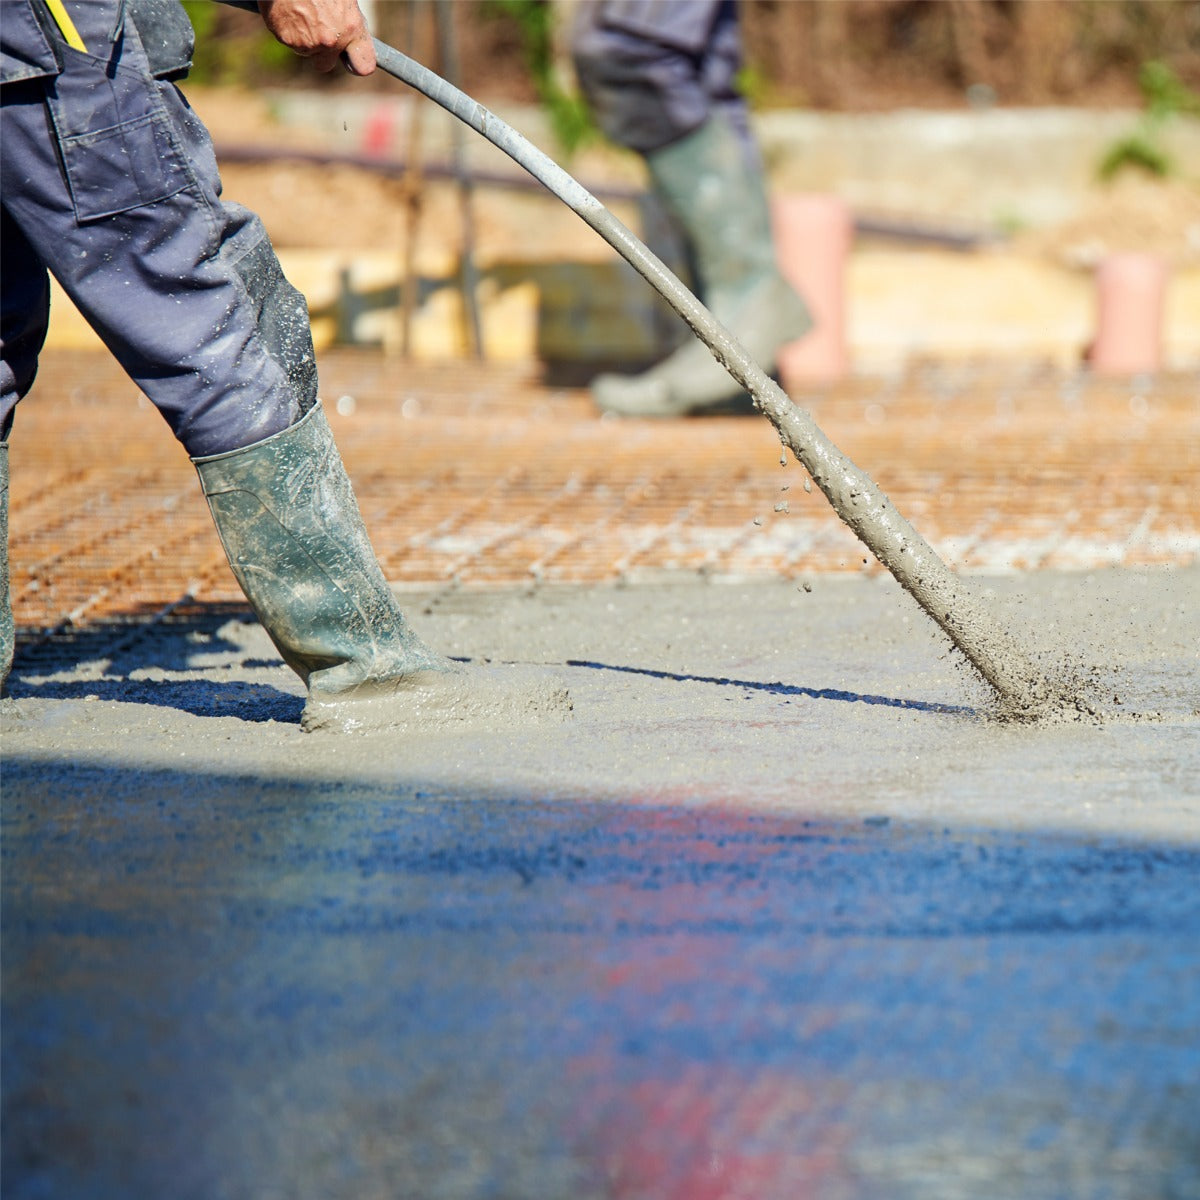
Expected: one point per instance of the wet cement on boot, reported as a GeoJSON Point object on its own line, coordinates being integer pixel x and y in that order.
{"type": "Point", "coordinates": [485, 696]}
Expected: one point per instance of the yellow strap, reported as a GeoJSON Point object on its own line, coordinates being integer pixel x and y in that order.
{"type": "Point", "coordinates": [65, 25]}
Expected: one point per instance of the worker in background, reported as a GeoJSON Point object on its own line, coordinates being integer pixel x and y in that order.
{"type": "Point", "coordinates": [660, 78]}
{"type": "Point", "coordinates": [110, 183]}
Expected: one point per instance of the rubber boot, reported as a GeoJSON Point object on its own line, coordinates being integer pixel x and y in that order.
{"type": "Point", "coordinates": [7, 632]}
{"type": "Point", "coordinates": [295, 539]}
{"type": "Point", "coordinates": [721, 205]}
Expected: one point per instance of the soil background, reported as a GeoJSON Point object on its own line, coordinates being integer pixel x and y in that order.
{"type": "Point", "coordinates": [855, 56]}
{"type": "Point", "coordinates": [843, 56]}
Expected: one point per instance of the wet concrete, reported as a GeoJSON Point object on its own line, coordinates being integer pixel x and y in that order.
{"type": "Point", "coordinates": [779, 912]}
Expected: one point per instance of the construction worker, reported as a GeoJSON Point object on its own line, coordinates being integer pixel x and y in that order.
{"type": "Point", "coordinates": [109, 182]}
{"type": "Point", "coordinates": [660, 78]}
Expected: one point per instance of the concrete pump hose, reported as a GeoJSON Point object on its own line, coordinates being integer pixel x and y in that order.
{"type": "Point", "coordinates": [857, 500]}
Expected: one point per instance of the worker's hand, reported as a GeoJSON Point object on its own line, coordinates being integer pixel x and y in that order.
{"type": "Point", "coordinates": [327, 31]}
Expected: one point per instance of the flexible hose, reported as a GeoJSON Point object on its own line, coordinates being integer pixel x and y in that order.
{"type": "Point", "coordinates": [855, 497]}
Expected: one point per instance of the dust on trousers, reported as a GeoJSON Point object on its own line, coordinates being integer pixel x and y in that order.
{"type": "Point", "coordinates": [109, 182]}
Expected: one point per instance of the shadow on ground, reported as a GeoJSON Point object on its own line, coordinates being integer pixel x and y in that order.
{"type": "Point", "coordinates": [779, 688]}
{"type": "Point", "coordinates": [170, 662]}
{"type": "Point", "coordinates": [223, 985]}
{"type": "Point", "coordinates": [194, 661]}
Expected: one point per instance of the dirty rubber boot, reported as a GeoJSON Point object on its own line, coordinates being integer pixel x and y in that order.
{"type": "Point", "coordinates": [722, 207]}
{"type": "Point", "coordinates": [291, 528]}
{"type": "Point", "coordinates": [7, 632]}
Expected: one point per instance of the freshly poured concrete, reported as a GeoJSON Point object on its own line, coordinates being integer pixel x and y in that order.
{"type": "Point", "coordinates": [779, 911]}
{"type": "Point", "coordinates": [833, 701]}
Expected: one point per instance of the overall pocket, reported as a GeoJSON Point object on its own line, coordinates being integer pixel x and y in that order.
{"type": "Point", "coordinates": [113, 135]}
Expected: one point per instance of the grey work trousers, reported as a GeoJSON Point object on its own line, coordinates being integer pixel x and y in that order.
{"type": "Point", "coordinates": [655, 70]}
{"type": "Point", "coordinates": [109, 181]}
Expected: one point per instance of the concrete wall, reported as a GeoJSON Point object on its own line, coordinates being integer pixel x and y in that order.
{"type": "Point", "coordinates": [1014, 166]}
{"type": "Point", "coordinates": [1023, 167]}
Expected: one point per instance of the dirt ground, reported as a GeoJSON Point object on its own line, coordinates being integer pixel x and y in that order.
{"type": "Point", "coordinates": [1138, 214]}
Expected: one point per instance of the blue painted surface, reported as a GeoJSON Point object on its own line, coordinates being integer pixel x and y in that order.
{"type": "Point", "coordinates": [252, 987]}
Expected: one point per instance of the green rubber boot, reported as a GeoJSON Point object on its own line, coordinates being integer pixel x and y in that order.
{"type": "Point", "coordinates": [292, 531]}
{"type": "Point", "coordinates": [7, 633]}
{"type": "Point", "coordinates": [722, 207]}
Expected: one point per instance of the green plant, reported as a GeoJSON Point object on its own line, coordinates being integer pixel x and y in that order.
{"type": "Point", "coordinates": [225, 55]}
{"type": "Point", "coordinates": [1137, 151]}
{"type": "Point", "coordinates": [206, 56]}
{"type": "Point", "coordinates": [753, 84]}
{"type": "Point", "coordinates": [570, 119]}
{"type": "Point", "coordinates": [1009, 222]}
{"type": "Point", "coordinates": [1166, 96]}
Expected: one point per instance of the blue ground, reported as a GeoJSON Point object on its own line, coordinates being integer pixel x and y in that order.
{"type": "Point", "coordinates": [247, 987]}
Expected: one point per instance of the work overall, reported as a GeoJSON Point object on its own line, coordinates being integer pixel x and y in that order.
{"type": "Point", "coordinates": [655, 70]}
{"type": "Point", "coordinates": [109, 181]}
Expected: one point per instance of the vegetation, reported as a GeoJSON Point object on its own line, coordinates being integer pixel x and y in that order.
{"type": "Point", "coordinates": [234, 48]}
{"type": "Point", "coordinates": [1166, 97]}
{"type": "Point", "coordinates": [569, 117]}
{"type": "Point", "coordinates": [838, 55]}
{"type": "Point", "coordinates": [871, 54]}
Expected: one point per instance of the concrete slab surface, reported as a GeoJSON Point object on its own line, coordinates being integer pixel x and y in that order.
{"type": "Point", "coordinates": [778, 910]}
